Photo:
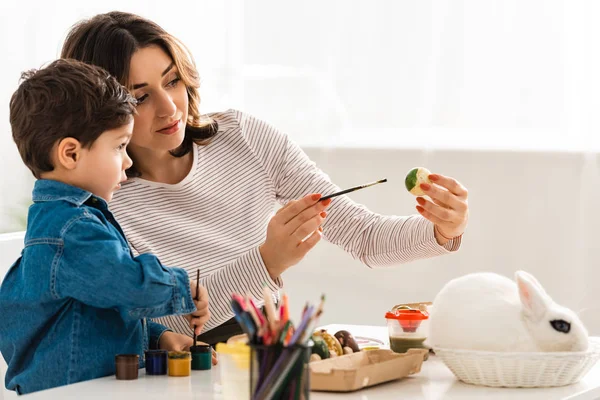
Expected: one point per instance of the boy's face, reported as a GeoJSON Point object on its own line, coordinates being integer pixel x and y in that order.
{"type": "Point", "coordinates": [101, 168]}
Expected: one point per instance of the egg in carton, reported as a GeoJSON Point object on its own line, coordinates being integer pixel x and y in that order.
{"type": "Point", "coordinates": [327, 345]}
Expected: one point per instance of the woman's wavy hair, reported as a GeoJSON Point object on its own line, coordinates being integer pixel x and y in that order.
{"type": "Point", "coordinates": [110, 40]}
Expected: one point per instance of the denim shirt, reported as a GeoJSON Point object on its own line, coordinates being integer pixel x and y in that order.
{"type": "Point", "coordinates": [77, 296]}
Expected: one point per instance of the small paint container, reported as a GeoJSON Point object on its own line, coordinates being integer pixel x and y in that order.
{"type": "Point", "coordinates": [407, 328]}
{"type": "Point", "coordinates": [127, 366]}
{"type": "Point", "coordinates": [156, 362]}
{"type": "Point", "coordinates": [180, 363]}
{"type": "Point", "coordinates": [201, 357]}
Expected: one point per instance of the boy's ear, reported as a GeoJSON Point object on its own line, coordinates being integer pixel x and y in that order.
{"type": "Point", "coordinates": [68, 152]}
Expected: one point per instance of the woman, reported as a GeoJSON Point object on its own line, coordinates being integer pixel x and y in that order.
{"type": "Point", "coordinates": [203, 188]}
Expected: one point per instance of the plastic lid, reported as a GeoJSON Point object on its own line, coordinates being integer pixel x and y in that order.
{"type": "Point", "coordinates": [200, 348]}
{"type": "Point", "coordinates": [127, 358]}
{"type": "Point", "coordinates": [155, 353]}
{"type": "Point", "coordinates": [407, 314]}
{"type": "Point", "coordinates": [180, 354]}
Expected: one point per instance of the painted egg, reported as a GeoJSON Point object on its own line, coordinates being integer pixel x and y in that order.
{"type": "Point", "coordinates": [414, 178]}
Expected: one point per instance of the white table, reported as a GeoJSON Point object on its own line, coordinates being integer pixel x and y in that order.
{"type": "Point", "coordinates": [434, 382]}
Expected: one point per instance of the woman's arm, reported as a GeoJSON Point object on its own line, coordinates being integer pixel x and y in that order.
{"type": "Point", "coordinates": [375, 239]}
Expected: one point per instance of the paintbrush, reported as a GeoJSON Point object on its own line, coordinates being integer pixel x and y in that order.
{"type": "Point", "coordinates": [312, 323]}
{"type": "Point", "coordinates": [272, 317]}
{"type": "Point", "coordinates": [352, 189]}
{"type": "Point", "coordinates": [197, 298]}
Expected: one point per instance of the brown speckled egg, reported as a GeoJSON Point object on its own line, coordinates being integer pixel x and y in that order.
{"type": "Point", "coordinates": [347, 340]}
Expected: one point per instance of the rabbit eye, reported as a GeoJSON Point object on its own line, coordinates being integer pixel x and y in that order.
{"type": "Point", "coordinates": [561, 325]}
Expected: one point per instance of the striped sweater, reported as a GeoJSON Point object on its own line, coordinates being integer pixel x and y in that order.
{"type": "Point", "coordinates": [216, 218]}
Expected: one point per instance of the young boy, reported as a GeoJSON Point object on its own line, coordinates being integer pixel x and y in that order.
{"type": "Point", "coordinates": [77, 297]}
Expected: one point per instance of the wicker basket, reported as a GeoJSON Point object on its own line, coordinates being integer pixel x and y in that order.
{"type": "Point", "coordinates": [504, 369]}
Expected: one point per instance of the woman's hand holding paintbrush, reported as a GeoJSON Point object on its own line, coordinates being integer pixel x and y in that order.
{"type": "Point", "coordinates": [198, 318]}
{"type": "Point", "coordinates": [292, 232]}
{"type": "Point", "coordinates": [296, 229]}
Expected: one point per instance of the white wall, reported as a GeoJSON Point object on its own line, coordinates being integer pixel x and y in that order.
{"type": "Point", "coordinates": [509, 74]}
{"type": "Point", "coordinates": [535, 211]}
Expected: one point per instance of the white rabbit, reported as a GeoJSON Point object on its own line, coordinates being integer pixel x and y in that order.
{"type": "Point", "coordinates": [489, 312]}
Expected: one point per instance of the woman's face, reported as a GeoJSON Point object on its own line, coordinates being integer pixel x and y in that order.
{"type": "Point", "coordinates": [162, 101]}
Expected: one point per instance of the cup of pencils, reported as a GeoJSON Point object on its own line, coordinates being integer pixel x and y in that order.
{"type": "Point", "coordinates": [288, 381]}
{"type": "Point", "coordinates": [280, 351]}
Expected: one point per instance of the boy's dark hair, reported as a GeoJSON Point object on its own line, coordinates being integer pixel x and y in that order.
{"type": "Point", "coordinates": [68, 98]}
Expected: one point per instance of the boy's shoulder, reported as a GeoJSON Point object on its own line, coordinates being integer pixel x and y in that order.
{"type": "Point", "coordinates": [55, 218]}
{"type": "Point", "coordinates": [58, 206]}
{"type": "Point", "coordinates": [47, 190]}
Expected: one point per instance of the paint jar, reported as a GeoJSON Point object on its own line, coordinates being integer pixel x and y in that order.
{"type": "Point", "coordinates": [127, 366]}
{"type": "Point", "coordinates": [234, 370]}
{"type": "Point", "coordinates": [407, 328]}
{"type": "Point", "coordinates": [201, 357]}
{"type": "Point", "coordinates": [156, 362]}
{"type": "Point", "coordinates": [180, 363]}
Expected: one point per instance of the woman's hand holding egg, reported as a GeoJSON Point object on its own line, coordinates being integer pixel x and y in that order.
{"type": "Point", "coordinates": [447, 206]}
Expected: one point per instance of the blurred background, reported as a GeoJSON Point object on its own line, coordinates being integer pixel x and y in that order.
{"type": "Point", "coordinates": [501, 95]}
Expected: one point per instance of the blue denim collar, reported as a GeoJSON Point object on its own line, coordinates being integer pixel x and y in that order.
{"type": "Point", "coordinates": [50, 190]}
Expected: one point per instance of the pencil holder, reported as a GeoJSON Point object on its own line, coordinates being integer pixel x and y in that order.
{"type": "Point", "coordinates": [278, 372]}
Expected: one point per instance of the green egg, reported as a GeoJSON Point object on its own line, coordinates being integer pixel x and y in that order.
{"type": "Point", "coordinates": [415, 178]}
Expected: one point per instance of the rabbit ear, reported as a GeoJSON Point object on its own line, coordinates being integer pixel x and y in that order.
{"type": "Point", "coordinates": [531, 279]}
{"type": "Point", "coordinates": [533, 297]}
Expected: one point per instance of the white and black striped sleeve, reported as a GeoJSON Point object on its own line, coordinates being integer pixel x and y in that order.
{"type": "Point", "coordinates": [375, 239]}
